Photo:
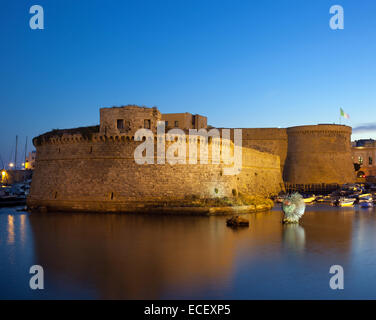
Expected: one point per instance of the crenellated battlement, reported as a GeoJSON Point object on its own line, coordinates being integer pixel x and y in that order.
{"type": "Point", "coordinates": [124, 138]}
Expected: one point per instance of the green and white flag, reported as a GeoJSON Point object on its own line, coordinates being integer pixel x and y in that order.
{"type": "Point", "coordinates": [344, 114]}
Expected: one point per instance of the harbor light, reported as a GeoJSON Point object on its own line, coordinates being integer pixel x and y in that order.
{"type": "Point", "coordinates": [3, 175]}
{"type": "Point", "coordinates": [11, 164]}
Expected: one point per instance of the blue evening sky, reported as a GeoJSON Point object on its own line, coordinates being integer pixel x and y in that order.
{"type": "Point", "coordinates": [269, 63]}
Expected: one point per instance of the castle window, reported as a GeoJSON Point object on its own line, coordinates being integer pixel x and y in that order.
{"type": "Point", "coordinates": [176, 124]}
{"type": "Point", "coordinates": [147, 124]}
{"type": "Point", "coordinates": [166, 124]}
{"type": "Point", "coordinates": [370, 161]}
{"type": "Point", "coordinates": [120, 124]}
{"type": "Point", "coordinates": [360, 160]}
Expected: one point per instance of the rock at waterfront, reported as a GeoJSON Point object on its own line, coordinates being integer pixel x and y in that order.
{"type": "Point", "coordinates": [237, 221]}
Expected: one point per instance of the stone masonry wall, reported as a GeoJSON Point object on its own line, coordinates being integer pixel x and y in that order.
{"type": "Point", "coordinates": [100, 174]}
{"type": "Point", "coordinates": [319, 154]}
{"type": "Point", "coordinates": [316, 154]}
{"type": "Point", "coordinates": [270, 140]}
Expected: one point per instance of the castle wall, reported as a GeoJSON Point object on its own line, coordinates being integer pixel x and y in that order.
{"type": "Point", "coordinates": [260, 174]}
{"type": "Point", "coordinates": [100, 174]}
{"type": "Point", "coordinates": [319, 154]}
{"type": "Point", "coordinates": [271, 140]}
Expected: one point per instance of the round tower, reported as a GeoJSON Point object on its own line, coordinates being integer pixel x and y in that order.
{"type": "Point", "coordinates": [319, 154]}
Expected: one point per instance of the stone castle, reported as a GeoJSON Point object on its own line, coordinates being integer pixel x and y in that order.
{"type": "Point", "coordinates": [93, 168]}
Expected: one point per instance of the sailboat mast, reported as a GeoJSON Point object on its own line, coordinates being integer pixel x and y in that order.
{"type": "Point", "coordinates": [25, 154]}
{"type": "Point", "coordinates": [15, 154]}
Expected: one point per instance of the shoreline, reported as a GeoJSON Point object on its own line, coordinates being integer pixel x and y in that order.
{"type": "Point", "coordinates": [121, 207]}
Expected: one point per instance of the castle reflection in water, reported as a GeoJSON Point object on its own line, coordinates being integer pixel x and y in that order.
{"type": "Point", "coordinates": [152, 257]}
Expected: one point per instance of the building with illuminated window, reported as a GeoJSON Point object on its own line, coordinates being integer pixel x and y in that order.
{"type": "Point", "coordinates": [30, 160]}
{"type": "Point", "coordinates": [364, 154]}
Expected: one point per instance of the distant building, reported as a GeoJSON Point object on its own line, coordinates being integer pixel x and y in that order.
{"type": "Point", "coordinates": [30, 160]}
{"type": "Point", "coordinates": [364, 143]}
{"type": "Point", "coordinates": [364, 154]}
{"type": "Point", "coordinates": [9, 177]}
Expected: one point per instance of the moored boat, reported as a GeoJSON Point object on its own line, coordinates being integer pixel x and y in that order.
{"type": "Point", "coordinates": [365, 196]}
{"type": "Point", "coordinates": [309, 198]}
{"type": "Point", "coordinates": [366, 204]}
{"type": "Point", "coordinates": [343, 202]}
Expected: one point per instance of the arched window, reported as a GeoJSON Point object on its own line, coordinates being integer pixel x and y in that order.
{"type": "Point", "coordinates": [361, 174]}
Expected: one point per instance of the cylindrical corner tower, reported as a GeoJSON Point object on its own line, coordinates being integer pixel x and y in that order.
{"type": "Point", "coordinates": [319, 154]}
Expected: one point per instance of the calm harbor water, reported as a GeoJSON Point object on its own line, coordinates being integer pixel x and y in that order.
{"type": "Point", "coordinates": [122, 256]}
